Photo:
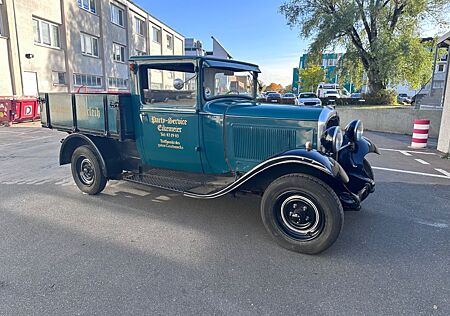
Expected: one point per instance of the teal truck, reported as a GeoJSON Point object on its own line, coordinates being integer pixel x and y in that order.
{"type": "Point", "coordinates": [184, 127]}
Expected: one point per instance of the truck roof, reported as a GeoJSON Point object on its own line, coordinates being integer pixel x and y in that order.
{"type": "Point", "coordinates": [253, 67]}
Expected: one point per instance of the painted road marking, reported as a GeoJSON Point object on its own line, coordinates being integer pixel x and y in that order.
{"type": "Point", "coordinates": [423, 162]}
{"type": "Point", "coordinates": [405, 153]}
{"type": "Point", "coordinates": [443, 172]}
{"type": "Point", "coordinates": [413, 172]}
{"type": "Point", "coordinates": [408, 151]}
{"type": "Point", "coordinates": [27, 140]}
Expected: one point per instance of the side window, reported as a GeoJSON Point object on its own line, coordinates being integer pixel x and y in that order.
{"type": "Point", "coordinates": [168, 85]}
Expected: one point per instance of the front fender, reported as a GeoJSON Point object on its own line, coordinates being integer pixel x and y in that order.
{"type": "Point", "coordinates": [285, 163]}
{"type": "Point", "coordinates": [352, 158]}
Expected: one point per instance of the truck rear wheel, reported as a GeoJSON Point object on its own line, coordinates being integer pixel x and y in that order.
{"type": "Point", "coordinates": [86, 171]}
{"type": "Point", "coordinates": [302, 213]}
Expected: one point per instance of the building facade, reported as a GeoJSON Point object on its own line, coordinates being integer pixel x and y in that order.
{"type": "Point", "coordinates": [76, 45]}
{"type": "Point", "coordinates": [329, 63]}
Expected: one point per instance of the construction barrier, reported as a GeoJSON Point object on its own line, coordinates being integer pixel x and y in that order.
{"type": "Point", "coordinates": [7, 111]}
{"type": "Point", "coordinates": [420, 133]}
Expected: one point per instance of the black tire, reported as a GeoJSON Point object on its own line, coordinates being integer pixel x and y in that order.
{"type": "Point", "coordinates": [302, 213]}
{"type": "Point", "coordinates": [86, 171]}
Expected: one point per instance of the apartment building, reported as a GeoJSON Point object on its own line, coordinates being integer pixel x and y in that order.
{"type": "Point", "coordinates": [76, 45]}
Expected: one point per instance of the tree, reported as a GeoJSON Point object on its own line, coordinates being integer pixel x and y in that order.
{"type": "Point", "coordinates": [274, 87]}
{"type": "Point", "coordinates": [382, 35]}
{"type": "Point", "coordinates": [288, 88]}
{"type": "Point", "coordinates": [310, 77]}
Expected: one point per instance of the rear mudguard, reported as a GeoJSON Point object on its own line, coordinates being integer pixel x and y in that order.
{"type": "Point", "coordinates": [351, 158]}
{"type": "Point", "coordinates": [75, 140]}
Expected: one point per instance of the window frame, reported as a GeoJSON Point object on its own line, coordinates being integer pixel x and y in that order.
{"type": "Point", "coordinates": [121, 51]}
{"type": "Point", "coordinates": [2, 27]}
{"type": "Point", "coordinates": [93, 78]}
{"type": "Point", "coordinates": [58, 73]}
{"type": "Point", "coordinates": [91, 41]}
{"type": "Point", "coordinates": [139, 26]}
{"type": "Point", "coordinates": [119, 16]}
{"type": "Point", "coordinates": [116, 85]}
{"type": "Point", "coordinates": [51, 27]}
{"type": "Point", "coordinates": [158, 39]}
{"type": "Point", "coordinates": [170, 43]}
{"type": "Point", "coordinates": [144, 72]}
{"type": "Point", "coordinates": [92, 6]}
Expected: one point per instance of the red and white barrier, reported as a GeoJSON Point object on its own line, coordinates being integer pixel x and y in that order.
{"type": "Point", "coordinates": [420, 133]}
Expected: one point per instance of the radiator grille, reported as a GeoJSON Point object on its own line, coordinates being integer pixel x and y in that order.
{"type": "Point", "coordinates": [259, 143]}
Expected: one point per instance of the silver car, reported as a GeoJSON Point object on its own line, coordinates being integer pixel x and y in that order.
{"type": "Point", "coordinates": [309, 99]}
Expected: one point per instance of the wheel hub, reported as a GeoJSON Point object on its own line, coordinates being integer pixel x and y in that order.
{"type": "Point", "coordinates": [86, 171]}
{"type": "Point", "coordinates": [299, 214]}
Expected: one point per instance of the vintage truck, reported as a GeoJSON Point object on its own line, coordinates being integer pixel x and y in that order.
{"type": "Point", "coordinates": [204, 139]}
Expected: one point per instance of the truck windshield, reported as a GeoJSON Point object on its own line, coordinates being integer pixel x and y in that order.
{"type": "Point", "coordinates": [220, 82]}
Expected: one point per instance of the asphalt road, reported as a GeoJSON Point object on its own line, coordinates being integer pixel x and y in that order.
{"type": "Point", "coordinates": [133, 250]}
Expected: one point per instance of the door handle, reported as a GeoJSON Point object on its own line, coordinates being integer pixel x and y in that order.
{"type": "Point", "coordinates": [144, 115]}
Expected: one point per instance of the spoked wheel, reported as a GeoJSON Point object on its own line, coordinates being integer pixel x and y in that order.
{"type": "Point", "coordinates": [86, 171]}
{"type": "Point", "coordinates": [302, 213]}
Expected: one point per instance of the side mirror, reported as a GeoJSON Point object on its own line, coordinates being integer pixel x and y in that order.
{"type": "Point", "coordinates": [178, 84]}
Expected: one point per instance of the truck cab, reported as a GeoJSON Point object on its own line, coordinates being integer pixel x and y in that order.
{"type": "Point", "coordinates": [193, 125]}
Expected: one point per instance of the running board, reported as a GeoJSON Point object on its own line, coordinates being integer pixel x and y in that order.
{"type": "Point", "coordinates": [182, 182]}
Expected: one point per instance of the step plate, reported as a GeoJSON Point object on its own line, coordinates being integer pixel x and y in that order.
{"type": "Point", "coordinates": [179, 181]}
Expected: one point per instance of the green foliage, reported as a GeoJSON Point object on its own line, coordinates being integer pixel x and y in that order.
{"type": "Point", "coordinates": [381, 37]}
{"type": "Point", "coordinates": [310, 77]}
{"type": "Point", "coordinates": [287, 89]}
{"type": "Point", "coordinates": [382, 97]}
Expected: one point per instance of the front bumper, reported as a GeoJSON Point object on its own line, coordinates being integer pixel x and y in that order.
{"type": "Point", "coordinates": [352, 201]}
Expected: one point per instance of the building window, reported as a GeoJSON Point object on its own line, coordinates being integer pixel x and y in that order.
{"type": "Point", "coordinates": [88, 5]}
{"type": "Point", "coordinates": [118, 53]}
{"type": "Point", "coordinates": [118, 83]}
{"type": "Point", "coordinates": [87, 80]}
{"type": "Point", "coordinates": [46, 33]}
{"type": "Point", "coordinates": [116, 15]}
{"type": "Point", "coordinates": [89, 45]}
{"type": "Point", "coordinates": [441, 67]}
{"type": "Point", "coordinates": [59, 78]}
{"type": "Point", "coordinates": [169, 41]}
{"type": "Point", "coordinates": [139, 25]}
{"type": "Point", "coordinates": [156, 35]}
{"type": "Point", "coordinates": [2, 29]}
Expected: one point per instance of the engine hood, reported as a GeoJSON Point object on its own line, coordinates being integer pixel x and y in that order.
{"type": "Point", "coordinates": [244, 108]}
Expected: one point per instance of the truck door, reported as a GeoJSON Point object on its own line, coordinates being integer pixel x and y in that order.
{"type": "Point", "coordinates": [169, 117]}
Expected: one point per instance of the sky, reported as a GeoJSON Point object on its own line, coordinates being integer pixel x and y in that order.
{"type": "Point", "coordinates": [250, 30]}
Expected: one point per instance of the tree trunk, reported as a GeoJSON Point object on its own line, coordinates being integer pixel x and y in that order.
{"type": "Point", "coordinates": [376, 83]}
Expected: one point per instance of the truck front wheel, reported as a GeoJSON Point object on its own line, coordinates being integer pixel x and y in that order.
{"type": "Point", "coordinates": [302, 213]}
{"type": "Point", "coordinates": [86, 171]}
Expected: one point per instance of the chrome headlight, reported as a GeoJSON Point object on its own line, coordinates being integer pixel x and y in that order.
{"type": "Point", "coordinates": [332, 139]}
{"type": "Point", "coordinates": [354, 130]}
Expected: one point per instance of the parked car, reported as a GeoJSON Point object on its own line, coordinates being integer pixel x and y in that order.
{"type": "Point", "coordinates": [289, 98]}
{"type": "Point", "coordinates": [331, 93]}
{"type": "Point", "coordinates": [304, 167]}
{"type": "Point", "coordinates": [273, 97]}
{"type": "Point", "coordinates": [404, 98]}
{"type": "Point", "coordinates": [358, 97]}
{"type": "Point", "coordinates": [309, 99]}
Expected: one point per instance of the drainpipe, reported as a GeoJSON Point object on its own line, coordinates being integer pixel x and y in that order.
{"type": "Point", "coordinates": [434, 68]}
{"type": "Point", "coordinates": [446, 76]}
{"type": "Point", "coordinates": [18, 49]}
